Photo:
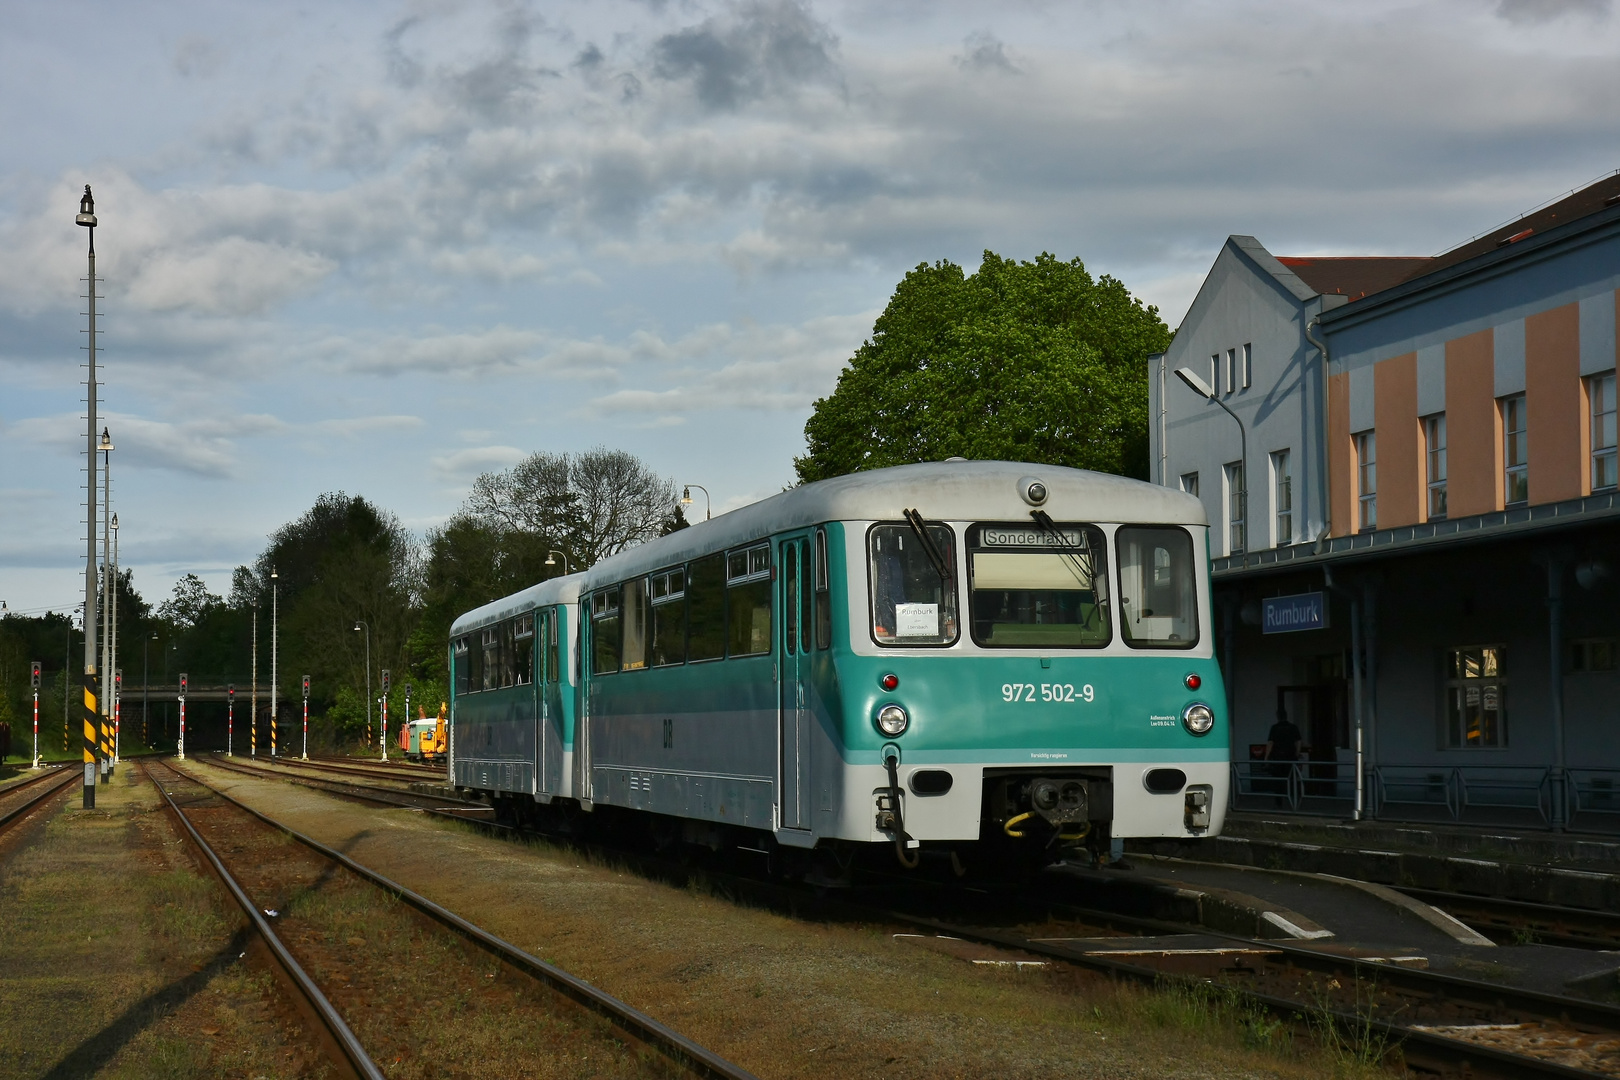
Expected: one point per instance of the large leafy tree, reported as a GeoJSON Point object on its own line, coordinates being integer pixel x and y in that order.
{"type": "Point", "coordinates": [1023, 361]}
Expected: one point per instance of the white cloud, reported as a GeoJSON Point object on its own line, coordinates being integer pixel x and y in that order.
{"type": "Point", "coordinates": [463, 465]}
{"type": "Point", "coordinates": [204, 447]}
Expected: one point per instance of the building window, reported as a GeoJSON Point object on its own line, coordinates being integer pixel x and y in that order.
{"type": "Point", "coordinates": [1515, 452]}
{"type": "Point", "coordinates": [1367, 478]}
{"type": "Point", "coordinates": [1189, 483]}
{"type": "Point", "coordinates": [1215, 372]}
{"type": "Point", "coordinates": [1476, 698]}
{"type": "Point", "coordinates": [1282, 498]}
{"type": "Point", "coordinates": [1237, 527]}
{"type": "Point", "coordinates": [1594, 654]}
{"type": "Point", "coordinates": [1434, 450]}
{"type": "Point", "coordinates": [1248, 365]}
{"type": "Point", "coordinates": [1231, 370]}
{"type": "Point", "coordinates": [1600, 389]}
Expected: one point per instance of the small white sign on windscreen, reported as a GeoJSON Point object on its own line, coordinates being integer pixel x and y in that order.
{"type": "Point", "coordinates": [916, 620]}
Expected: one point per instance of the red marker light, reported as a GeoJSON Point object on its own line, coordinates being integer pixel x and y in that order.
{"type": "Point", "coordinates": [1193, 681]}
{"type": "Point", "coordinates": [889, 681]}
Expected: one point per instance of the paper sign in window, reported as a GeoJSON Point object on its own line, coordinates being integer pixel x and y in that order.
{"type": "Point", "coordinates": [916, 620]}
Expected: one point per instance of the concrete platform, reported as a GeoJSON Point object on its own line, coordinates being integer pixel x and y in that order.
{"type": "Point", "coordinates": [1538, 868]}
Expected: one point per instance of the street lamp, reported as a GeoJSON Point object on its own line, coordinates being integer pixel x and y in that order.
{"type": "Point", "coordinates": [112, 647]}
{"type": "Point", "coordinates": [1204, 390]}
{"type": "Point", "coordinates": [87, 218]}
{"type": "Point", "coordinates": [686, 498]}
{"type": "Point", "coordinates": [146, 688]}
{"type": "Point", "coordinates": [359, 623]}
{"type": "Point", "coordinates": [274, 593]}
{"type": "Point", "coordinates": [551, 559]}
{"type": "Point", "coordinates": [106, 448]}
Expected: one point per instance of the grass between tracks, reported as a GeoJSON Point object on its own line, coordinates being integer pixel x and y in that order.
{"type": "Point", "coordinates": [119, 959]}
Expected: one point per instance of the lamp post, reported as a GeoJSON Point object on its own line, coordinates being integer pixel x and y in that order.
{"type": "Point", "coordinates": [551, 559]}
{"type": "Point", "coordinates": [118, 673]}
{"type": "Point", "coordinates": [686, 498]}
{"type": "Point", "coordinates": [106, 448]}
{"type": "Point", "coordinates": [146, 688]}
{"type": "Point", "coordinates": [274, 592]}
{"type": "Point", "coordinates": [87, 218]}
{"type": "Point", "coordinates": [1204, 390]}
{"type": "Point", "coordinates": [359, 623]}
{"type": "Point", "coordinates": [253, 697]}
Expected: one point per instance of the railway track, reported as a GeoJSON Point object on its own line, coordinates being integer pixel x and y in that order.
{"type": "Point", "coordinates": [38, 788]}
{"type": "Point", "coordinates": [352, 789]}
{"type": "Point", "coordinates": [1441, 1023]}
{"type": "Point", "coordinates": [671, 1047]}
{"type": "Point", "coordinates": [373, 771]}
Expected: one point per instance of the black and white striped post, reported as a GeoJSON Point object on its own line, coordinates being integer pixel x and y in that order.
{"type": "Point", "coordinates": [384, 730]}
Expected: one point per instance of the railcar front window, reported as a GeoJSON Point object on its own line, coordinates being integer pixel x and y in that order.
{"type": "Point", "coordinates": [1158, 593]}
{"type": "Point", "coordinates": [911, 603]}
{"type": "Point", "coordinates": [460, 658]}
{"type": "Point", "coordinates": [1033, 588]}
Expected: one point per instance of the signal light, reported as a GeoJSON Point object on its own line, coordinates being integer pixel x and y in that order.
{"type": "Point", "coordinates": [33, 674]}
{"type": "Point", "coordinates": [183, 682]}
{"type": "Point", "coordinates": [889, 681]}
{"type": "Point", "coordinates": [1193, 681]}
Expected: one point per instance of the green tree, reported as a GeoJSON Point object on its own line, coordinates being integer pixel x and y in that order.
{"type": "Point", "coordinates": [1020, 361]}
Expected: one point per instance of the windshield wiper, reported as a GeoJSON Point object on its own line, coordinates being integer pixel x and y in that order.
{"type": "Point", "coordinates": [915, 520]}
{"type": "Point", "coordinates": [1078, 560]}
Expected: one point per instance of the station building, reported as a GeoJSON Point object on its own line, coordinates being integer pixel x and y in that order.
{"type": "Point", "coordinates": [1409, 466]}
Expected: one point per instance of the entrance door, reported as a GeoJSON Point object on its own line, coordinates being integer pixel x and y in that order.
{"type": "Point", "coordinates": [794, 735]}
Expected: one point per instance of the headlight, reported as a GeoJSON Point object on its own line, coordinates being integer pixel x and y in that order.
{"type": "Point", "coordinates": [1198, 718]}
{"type": "Point", "coordinates": [892, 720]}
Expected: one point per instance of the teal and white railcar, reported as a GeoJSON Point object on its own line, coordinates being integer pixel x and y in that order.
{"type": "Point", "coordinates": [513, 693]}
{"type": "Point", "coordinates": [955, 657]}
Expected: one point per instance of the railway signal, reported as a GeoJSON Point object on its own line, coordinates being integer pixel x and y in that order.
{"type": "Point", "coordinates": [384, 739]}
{"type": "Point", "coordinates": [230, 716]}
{"type": "Point", "coordinates": [306, 717]}
{"type": "Point", "coordinates": [118, 709]}
{"type": "Point", "coordinates": [33, 680]}
{"type": "Point", "coordinates": [183, 683]}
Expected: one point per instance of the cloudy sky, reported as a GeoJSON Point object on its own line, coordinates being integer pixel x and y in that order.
{"type": "Point", "coordinates": [382, 247]}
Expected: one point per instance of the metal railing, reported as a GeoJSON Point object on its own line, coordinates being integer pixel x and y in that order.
{"type": "Point", "coordinates": [1515, 795]}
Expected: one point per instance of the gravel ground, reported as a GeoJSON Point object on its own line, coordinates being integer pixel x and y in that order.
{"type": "Point", "coordinates": [784, 997]}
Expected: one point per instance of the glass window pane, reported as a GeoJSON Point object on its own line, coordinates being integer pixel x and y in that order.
{"type": "Point", "coordinates": [790, 581]}
{"type": "Point", "coordinates": [706, 594]}
{"type": "Point", "coordinates": [523, 651]}
{"type": "Point", "coordinates": [1028, 590]}
{"type": "Point", "coordinates": [633, 610]}
{"type": "Point", "coordinates": [911, 605]}
{"type": "Point", "coordinates": [823, 593]}
{"type": "Point", "coordinates": [1158, 594]}
{"type": "Point", "coordinates": [605, 632]}
{"type": "Point", "coordinates": [749, 617]}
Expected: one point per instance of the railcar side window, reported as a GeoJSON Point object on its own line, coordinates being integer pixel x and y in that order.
{"type": "Point", "coordinates": [823, 593]}
{"type": "Point", "coordinates": [523, 650]}
{"type": "Point", "coordinates": [790, 606]}
{"type": "Point", "coordinates": [911, 604]}
{"type": "Point", "coordinates": [463, 665]}
{"type": "Point", "coordinates": [1031, 588]}
{"type": "Point", "coordinates": [669, 618]}
{"type": "Point", "coordinates": [1158, 595]}
{"type": "Point", "coordinates": [633, 609]}
{"type": "Point", "coordinates": [748, 601]}
{"type": "Point", "coordinates": [605, 632]}
{"type": "Point", "coordinates": [491, 641]}
{"type": "Point", "coordinates": [706, 592]}
{"type": "Point", "coordinates": [553, 644]}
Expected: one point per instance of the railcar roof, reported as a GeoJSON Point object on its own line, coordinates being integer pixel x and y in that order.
{"type": "Point", "coordinates": [940, 491]}
{"type": "Point", "coordinates": [557, 590]}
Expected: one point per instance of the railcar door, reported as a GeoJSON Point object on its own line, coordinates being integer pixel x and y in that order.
{"type": "Point", "coordinates": [794, 737]}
